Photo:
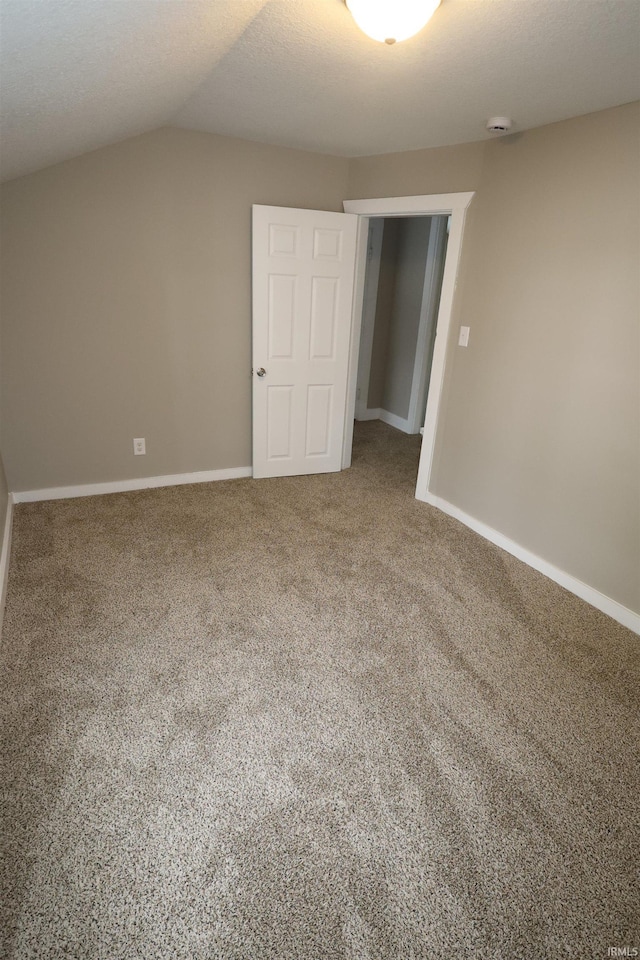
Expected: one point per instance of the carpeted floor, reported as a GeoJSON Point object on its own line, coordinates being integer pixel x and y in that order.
{"type": "Point", "coordinates": [308, 718]}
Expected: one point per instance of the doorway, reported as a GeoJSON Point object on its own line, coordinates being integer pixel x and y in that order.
{"type": "Point", "coordinates": [403, 279]}
{"type": "Point", "coordinates": [303, 269]}
{"type": "Point", "coordinates": [453, 206]}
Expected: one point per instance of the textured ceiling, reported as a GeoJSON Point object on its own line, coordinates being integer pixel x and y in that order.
{"type": "Point", "coordinates": [77, 74]}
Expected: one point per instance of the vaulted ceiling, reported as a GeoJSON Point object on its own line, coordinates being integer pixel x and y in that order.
{"type": "Point", "coordinates": [79, 74]}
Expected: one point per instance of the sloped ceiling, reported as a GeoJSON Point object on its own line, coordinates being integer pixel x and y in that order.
{"type": "Point", "coordinates": [78, 74]}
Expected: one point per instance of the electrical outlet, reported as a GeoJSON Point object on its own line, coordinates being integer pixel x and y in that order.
{"type": "Point", "coordinates": [139, 446]}
{"type": "Point", "coordinates": [463, 339]}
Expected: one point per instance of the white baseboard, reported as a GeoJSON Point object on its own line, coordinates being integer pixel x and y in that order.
{"type": "Point", "coordinates": [122, 486]}
{"type": "Point", "coordinates": [5, 557]}
{"type": "Point", "coordinates": [377, 413]}
{"type": "Point", "coordinates": [625, 616]}
{"type": "Point", "coordinates": [400, 423]}
{"type": "Point", "coordinates": [364, 413]}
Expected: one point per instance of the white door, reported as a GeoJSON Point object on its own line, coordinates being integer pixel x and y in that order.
{"type": "Point", "coordinates": [303, 273]}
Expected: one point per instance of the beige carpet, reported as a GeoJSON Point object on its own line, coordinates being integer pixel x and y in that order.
{"type": "Point", "coordinates": [308, 718]}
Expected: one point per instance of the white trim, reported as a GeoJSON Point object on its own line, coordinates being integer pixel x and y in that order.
{"type": "Point", "coordinates": [5, 557]}
{"type": "Point", "coordinates": [625, 616]}
{"type": "Point", "coordinates": [377, 413]}
{"type": "Point", "coordinates": [400, 423]}
{"type": "Point", "coordinates": [122, 486]}
{"type": "Point", "coordinates": [361, 413]}
{"type": "Point", "coordinates": [454, 204]}
{"type": "Point", "coordinates": [368, 413]}
{"type": "Point", "coordinates": [429, 205]}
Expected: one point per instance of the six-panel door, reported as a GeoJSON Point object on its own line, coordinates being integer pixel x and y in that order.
{"type": "Point", "coordinates": [303, 272]}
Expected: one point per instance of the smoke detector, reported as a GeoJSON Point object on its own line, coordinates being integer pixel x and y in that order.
{"type": "Point", "coordinates": [499, 124]}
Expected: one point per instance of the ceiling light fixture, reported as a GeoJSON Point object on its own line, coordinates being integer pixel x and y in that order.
{"type": "Point", "coordinates": [390, 21]}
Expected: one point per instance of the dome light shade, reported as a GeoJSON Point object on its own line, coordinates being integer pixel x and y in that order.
{"type": "Point", "coordinates": [391, 20]}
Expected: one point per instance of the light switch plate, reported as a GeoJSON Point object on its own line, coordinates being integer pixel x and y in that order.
{"type": "Point", "coordinates": [463, 339]}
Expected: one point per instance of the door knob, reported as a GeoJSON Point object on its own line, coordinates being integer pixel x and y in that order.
{"type": "Point", "coordinates": [261, 371]}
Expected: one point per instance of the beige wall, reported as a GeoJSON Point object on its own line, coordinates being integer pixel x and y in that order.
{"type": "Point", "coordinates": [444, 169]}
{"type": "Point", "coordinates": [411, 264]}
{"type": "Point", "coordinates": [540, 434]}
{"type": "Point", "coordinates": [384, 309]}
{"type": "Point", "coordinates": [3, 499]}
{"type": "Point", "coordinates": [126, 304]}
{"type": "Point", "coordinates": [4, 504]}
{"type": "Point", "coordinates": [126, 309]}
{"type": "Point", "coordinates": [4, 494]}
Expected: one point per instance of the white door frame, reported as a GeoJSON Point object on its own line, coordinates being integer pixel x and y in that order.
{"type": "Point", "coordinates": [455, 205]}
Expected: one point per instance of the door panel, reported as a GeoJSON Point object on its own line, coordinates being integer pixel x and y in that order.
{"type": "Point", "coordinates": [279, 422]}
{"type": "Point", "coordinates": [282, 312]}
{"type": "Point", "coordinates": [318, 427]}
{"type": "Point", "coordinates": [303, 272]}
{"type": "Point", "coordinates": [324, 317]}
